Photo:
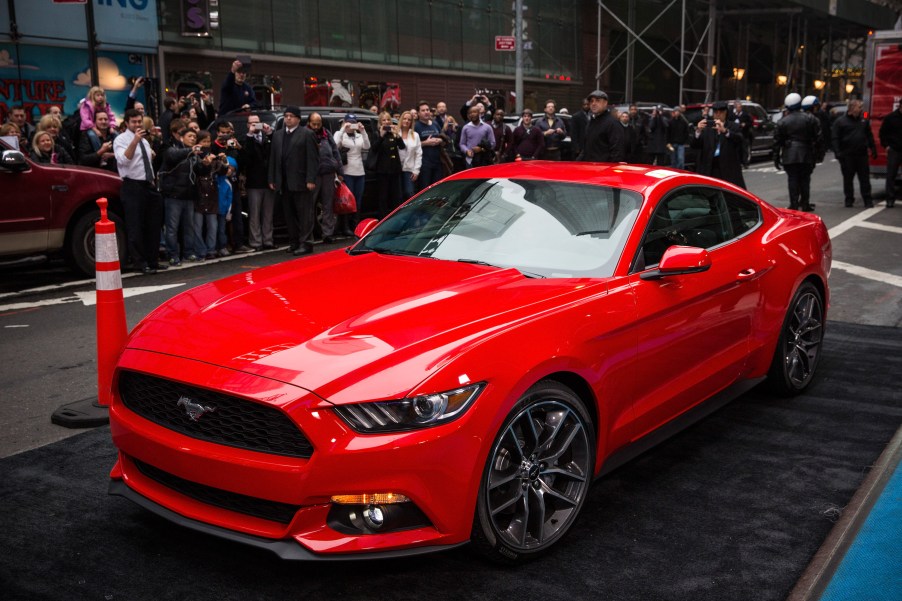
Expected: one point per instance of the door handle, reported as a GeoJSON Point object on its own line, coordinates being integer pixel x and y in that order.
{"type": "Point", "coordinates": [60, 188]}
{"type": "Point", "coordinates": [747, 275]}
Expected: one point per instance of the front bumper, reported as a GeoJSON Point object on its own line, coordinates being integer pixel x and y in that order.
{"type": "Point", "coordinates": [433, 467]}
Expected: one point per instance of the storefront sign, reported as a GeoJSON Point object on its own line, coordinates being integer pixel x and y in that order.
{"type": "Point", "coordinates": [195, 18]}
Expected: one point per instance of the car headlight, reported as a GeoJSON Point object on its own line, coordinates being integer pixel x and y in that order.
{"type": "Point", "coordinates": [411, 413]}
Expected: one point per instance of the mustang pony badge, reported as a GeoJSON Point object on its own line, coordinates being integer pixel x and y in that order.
{"type": "Point", "coordinates": [194, 410]}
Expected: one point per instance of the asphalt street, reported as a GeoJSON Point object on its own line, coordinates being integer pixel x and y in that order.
{"type": "Point", "coordinates": [47, 316]}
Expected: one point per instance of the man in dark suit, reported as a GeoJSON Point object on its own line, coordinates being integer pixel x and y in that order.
{"type": "Point", "coordinates": [292, 174]}
{"type": "Point", "coordinates": [720, 147]}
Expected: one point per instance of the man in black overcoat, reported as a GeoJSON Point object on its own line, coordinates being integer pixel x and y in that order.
{"type": "Point", "coordinates": [719, 143]}
{"type": "Point", "coordinates": [293, 164]}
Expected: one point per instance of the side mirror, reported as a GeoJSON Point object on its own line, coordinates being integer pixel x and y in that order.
{"type": "Point", "coordinates": [680, 260]}
{"type": "Point", "coordinates": [365, 227]}
{"type": "Point", "coordinates": [13, 160]}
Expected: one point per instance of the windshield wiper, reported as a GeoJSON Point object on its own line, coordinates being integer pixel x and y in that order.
{"type": "Point", "coordinates": [589, 232]}
{"type": "Point", "coordinates": [385, 251]}
{"type": "Point", "coordinates": [478, 262]}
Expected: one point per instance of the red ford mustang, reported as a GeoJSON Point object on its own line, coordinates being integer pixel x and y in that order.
{"type": "Point", "coordinates": [465, 370]}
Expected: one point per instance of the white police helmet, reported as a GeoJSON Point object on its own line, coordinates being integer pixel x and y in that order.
{"type": "Point", "coordinates": [793, 102]}
{"type": "Point", "coordinates": [808, 102]}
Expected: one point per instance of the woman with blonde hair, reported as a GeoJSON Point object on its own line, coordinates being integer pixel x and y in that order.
{"type": "Point", "coordinates": [95, 100]}
{"type": "Point", "coordinates": [411, 155]}
{"type": "Point", "coordinates": [43, 150]}
{"type": "Point", "coordinates": [387, 164]}
{"type": "Point", "coordinates": [61, 142]}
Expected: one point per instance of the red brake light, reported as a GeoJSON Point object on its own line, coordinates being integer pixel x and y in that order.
{"type": "Point", "coordinates": [864, 115]}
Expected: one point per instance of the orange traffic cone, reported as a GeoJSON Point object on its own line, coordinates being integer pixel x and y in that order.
{"type": "Point", "coordinates": [111, 325]}
{"type": "Point", "coordinates": [111, 328]}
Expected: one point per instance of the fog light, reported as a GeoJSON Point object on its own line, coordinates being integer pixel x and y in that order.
{"type": "Point", "coordinates": [373, 516]}
{"type": "Point", "coordinates": [381, 498]}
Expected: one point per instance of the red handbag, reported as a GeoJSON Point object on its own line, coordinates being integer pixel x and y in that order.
{"type": "Point", "coordinates": [343, 202]}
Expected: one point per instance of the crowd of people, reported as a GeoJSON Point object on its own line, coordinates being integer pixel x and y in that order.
{"type": "Point", "coordinates": [185, 189]}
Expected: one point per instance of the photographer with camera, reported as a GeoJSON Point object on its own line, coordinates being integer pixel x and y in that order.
{"type": "Point", "coordinates": [719, 143]}
{"type": "Point", "coordinates": [481, 101]}
{"type": "Point", "coordinates": [253, 164]}
{"type": "Point", "coordinates": [142, 205]}
{"type": "Point", "coordinates": [352, 141]}
{"type": "Point", "coordinates": [226, 144]}
{"type": "Point", "coordinates": [657, 137]}
{"type": "Point", "coordinates": [387, 147]}
{"type": "Point", "coordinates": [477, 140]}
{"type": "Point", "coordinates": [183, 163]}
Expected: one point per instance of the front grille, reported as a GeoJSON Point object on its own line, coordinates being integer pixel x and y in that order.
{"type": "Point", "coordinates": [232, 421]}
{"type": "Point", "coordinates": [273, 511]}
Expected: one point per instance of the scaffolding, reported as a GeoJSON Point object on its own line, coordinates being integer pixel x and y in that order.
{"type": "Point", "coordinates": [791, 46]}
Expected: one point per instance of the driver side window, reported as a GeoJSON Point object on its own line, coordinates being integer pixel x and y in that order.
{"type": "Point", "coordinates": [702, 217]}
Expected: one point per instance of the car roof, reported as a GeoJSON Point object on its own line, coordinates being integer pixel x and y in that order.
{"type": "Point", "coordinates": [637, 178]}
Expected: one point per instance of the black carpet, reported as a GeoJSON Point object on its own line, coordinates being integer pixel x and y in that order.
{"type": "Point", "coordinates": [732, 508]}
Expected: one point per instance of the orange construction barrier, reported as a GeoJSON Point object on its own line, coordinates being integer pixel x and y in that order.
{"type": "Point", "coordinates": [111, 325]}
{"type": "Point", "coordinates": [112, 329]}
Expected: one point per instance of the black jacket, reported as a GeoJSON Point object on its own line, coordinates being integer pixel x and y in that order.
{"type": "Point", "coordinates": [678, 132]}
{"type": "Point", "coordinates": [253, 160]}
{"type": "Point", "coordinates": [179, 171]}
{"type": "Point", "coordinates": [578, 125]}
{"type": "Point", "coordinates": [88, 156]}
{"type": "Point", "coordinates": [301, 160]}
{"type": "Point", "coordinates": [604, 140]}
{"type": "Point", "coordinates": [657, 134]}
{"type": "Point", "coordinates": [891, 131]}
{"type": "Point", "coordinates": [631, 151]}
{"type": "Point", "coordinates": [387, 147]}
{"type": "Point", "coordinates": [797, 139]}
{"type": "Point", "coordinates": [728, 166]}
{"type": "Point", "coordinates": [852, 137]}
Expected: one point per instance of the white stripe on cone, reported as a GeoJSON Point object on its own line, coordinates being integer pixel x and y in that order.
{"type": "Point", "coordinates": [106, 248]}
{"type": "Point", "coordinates": [109, 280]}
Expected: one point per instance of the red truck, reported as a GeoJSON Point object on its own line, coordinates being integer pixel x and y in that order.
{"type": "Point", "coordinates": [51, 209]}
{"type": "Point", "coordinates": [882, 85]}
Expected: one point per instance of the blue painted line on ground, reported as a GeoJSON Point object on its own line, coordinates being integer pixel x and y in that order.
{"type": "Point", "coordinates": [872, 567]}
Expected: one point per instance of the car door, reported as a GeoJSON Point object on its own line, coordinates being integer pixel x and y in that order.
{"type": "Point", "coordinates": [694, 330]}
{"type": "Point", "coordinates": [25, 210]}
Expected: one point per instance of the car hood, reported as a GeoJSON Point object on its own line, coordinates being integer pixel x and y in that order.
{"type": "Point", "coordinates": [329, 322]}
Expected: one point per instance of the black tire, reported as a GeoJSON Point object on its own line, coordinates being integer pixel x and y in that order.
{"type": "Point", "coordinates": [537, 476]}
{"type": "Point", "coordinates": [80, 245]}
{"type": "Point", "coordinates": [799, 346]}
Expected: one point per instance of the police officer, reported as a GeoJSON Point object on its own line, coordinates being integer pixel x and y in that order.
{"type": "Point", "coordinates": [891, 139]}
{"type": "Point", "coordinates": [795, 141]}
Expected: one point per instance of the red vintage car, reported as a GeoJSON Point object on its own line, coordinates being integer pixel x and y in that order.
{"type": "Point", "coordinates": [466, 369]}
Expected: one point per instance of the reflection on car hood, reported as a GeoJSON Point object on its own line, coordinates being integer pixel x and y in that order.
{"type": "Point", "coordinates": [325, 323]}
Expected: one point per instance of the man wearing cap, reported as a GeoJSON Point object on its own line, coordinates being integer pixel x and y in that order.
{"type": "Point", "coordinates": [795, 141]}
{"type": "Point", "coordinates": [604, 135]}
{"type": "Point", "coordinates": [293, 164]}
{"type": "Point", "coordinates": [719, 143]}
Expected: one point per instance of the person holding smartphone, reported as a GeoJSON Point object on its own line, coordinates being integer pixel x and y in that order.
{"type": "Point", "coordinates": [253, 164]}
{"type": "Point", "coordinates": [352, 141]}
{"type": "Point", "coordinates": [387, 147]}
{"type": "Point", "coordinates": [141, 203]}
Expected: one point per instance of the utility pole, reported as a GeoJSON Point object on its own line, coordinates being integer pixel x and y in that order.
{"type": "Point", "coordinates": [92, 43]}
{"type": "Point", "coordinates": [518, 81]}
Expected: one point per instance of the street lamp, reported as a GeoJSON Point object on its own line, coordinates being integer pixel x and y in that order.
{"type": "Point", "coordinates": [738, 73]}
{"type": "Point", "coordinates": [781, 80]}
{"type": "Point", "coordinates": [850, 87]}
{"type": "Point", "coordinates": [819, 84]}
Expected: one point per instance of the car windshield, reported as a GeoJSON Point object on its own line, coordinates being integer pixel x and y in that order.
{"type": "Point", "coordinates": [543, 229]}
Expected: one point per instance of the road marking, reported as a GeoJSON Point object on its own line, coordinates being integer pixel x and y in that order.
{"type": "Point", "coordinates": [883, 228]}
{"type": "Point", "coordinates": [870, 274]}
{"type": "Point", "coordinates": [17, 326]}
{"type": "Point", "coordinates": [856, 220]}
{"type": "Point", "coordinates": [88, 299]}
